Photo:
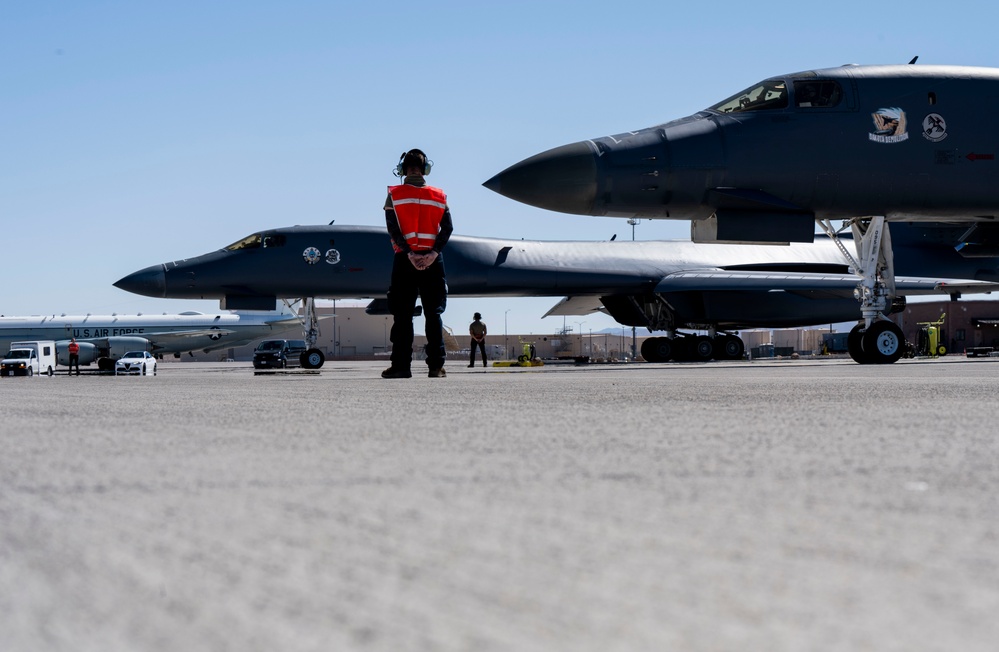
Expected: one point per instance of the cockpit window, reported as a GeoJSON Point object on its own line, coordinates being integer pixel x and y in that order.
{"type": "Point", "coordinates": [258, 240]}
{"type": "Point", "coordinates": [817, 94]}
{"type": "Point", "coordinates": [249, 242]}
{"type": "Point", "coordinates": [770, 94]}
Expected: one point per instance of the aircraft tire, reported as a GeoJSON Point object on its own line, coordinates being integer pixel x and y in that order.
{"type": "Point", "coordinates": [312, 359]}
{"type": "Point", "coordinates": [702, 349]}
{"type": "Point", "coordinates": [665, 349]}
{"type": "Point", "coordinates": [649, 349]}
{"type": "Point", "coordinates": [883, 343]}
{"type": "Point", "coordinates": [683, 349]}
{"type": "Point", "coordinates": [854, 344]}
{"type": "Point", "coordinates": [729, 347]}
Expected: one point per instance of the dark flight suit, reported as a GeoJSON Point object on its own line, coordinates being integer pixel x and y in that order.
{"type": "Point", "coordinates": [408, 283]}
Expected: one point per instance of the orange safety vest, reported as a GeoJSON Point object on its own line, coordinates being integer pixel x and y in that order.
{"type": "Point", "coordinates": [419, 210]}
{"type": "Point", "coordinates": [74, 348]}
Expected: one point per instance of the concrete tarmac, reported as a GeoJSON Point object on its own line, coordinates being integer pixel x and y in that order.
{"type": "Point", "coordinates": [723, 506]}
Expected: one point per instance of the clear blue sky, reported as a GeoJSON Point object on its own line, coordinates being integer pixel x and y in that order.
{"type": "Point", "coordinates": [135, 133]}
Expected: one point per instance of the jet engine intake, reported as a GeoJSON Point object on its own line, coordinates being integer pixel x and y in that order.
{"type": "Point", "coordinates": [119, 346]}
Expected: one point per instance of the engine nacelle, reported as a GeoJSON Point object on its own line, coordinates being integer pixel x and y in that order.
{"type": "Point", "coordinates": [88, 353]}
{"type": "Point", "coordinates": [119, 346]}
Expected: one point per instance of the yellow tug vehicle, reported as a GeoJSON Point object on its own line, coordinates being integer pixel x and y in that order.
{"type": "Point", "coordinates": [529, 358]}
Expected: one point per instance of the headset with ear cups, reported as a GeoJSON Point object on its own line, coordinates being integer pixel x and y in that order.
{"type": "Point", "coordinates": [427, 163]}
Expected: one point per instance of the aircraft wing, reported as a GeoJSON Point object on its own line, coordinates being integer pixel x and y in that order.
{"type": "Point", "coordinates": [194, 332]}
{"type": "Point", "coordinates": [831, 284]}
{"type": "Point", "coordinates": [968, 287]}
{"type": "Point", "coordinates": [810, 284]}
{"type": "Point", "coordinates": [165, 338]}
{"type": "Point", "coordinates": [576, 305]}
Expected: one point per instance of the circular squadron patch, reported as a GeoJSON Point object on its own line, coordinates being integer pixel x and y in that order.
{"type": "Point", "coordinates": [312, 255]}
{"type": "Point", "coordinates": [332, 256]}
{"type": "Point", "coordinates": [934, 128]}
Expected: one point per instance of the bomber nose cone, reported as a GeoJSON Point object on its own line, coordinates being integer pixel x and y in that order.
{"type": "Point", "coordinates": [150, 282]}
{"type": "Point", "coordinates": [563, 179]}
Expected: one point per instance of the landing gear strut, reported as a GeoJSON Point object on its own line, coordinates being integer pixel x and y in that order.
{"type": "Point", "coordinates": [875, 340]}
{"type": "Point", "coordinates": [313, 358]}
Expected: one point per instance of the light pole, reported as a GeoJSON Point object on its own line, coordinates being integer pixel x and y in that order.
{"type": "Point", "coordinates": [580, 324]}
{"type": "Point", "coordinates": [506, 341]}
{"type": "Point", "coordinates": [634, 338]}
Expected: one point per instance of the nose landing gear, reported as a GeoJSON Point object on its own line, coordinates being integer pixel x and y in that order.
{"type": "Point", "coordinates": [875, 340]}
{"type": "Point", "coordinates": [313, 358]}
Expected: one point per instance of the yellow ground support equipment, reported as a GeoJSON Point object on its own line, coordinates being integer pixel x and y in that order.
{"type": "Point", "coordinates": [529, 358]}
{"type": "Point", "coordinates": [930, 336]}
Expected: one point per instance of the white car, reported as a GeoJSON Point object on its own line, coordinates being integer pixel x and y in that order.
{"type": "Point", "coordinates": [136, 362]}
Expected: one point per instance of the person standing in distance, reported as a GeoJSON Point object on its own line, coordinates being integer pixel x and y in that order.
{"type": "Point", "coordinates": [478, 332]}
{"type": "Point", "coordinates": [419, 224]}
{"type": "Point", "coordinates": [74, 356]}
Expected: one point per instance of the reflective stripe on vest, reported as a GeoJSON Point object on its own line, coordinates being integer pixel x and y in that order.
{"type": "Point", "coordinates": [419, 211]}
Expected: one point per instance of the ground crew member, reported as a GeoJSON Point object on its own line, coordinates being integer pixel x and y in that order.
{"type": "Point", "coordinates": [478, 332]}
{"type": "Point", "coordinates": [74, 356]}
{"type": "Point", "coordinates": [419, 224]}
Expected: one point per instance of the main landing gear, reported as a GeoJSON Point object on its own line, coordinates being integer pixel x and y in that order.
{"type": "Point", "coordinates": [693, 348]}
{"type": "Point", "coordinates": [875, 340]}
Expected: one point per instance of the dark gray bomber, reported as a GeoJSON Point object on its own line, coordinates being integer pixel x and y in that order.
{"type": "Point", "coordinates": [866, 144]}
{"type": "Point", "coordinates": [662, 285]}
{"type": "Point", "coordinates": [907, 142]}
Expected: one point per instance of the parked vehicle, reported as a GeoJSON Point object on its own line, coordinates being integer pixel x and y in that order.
{"type": "Point", "coordinates": [29, 358]}
{"type": "Point", "coordinates": [278, 354]}
{"type": "Point", "coordinates": [136, 362]}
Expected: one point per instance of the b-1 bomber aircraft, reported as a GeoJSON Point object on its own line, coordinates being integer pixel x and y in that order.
{"type": "Point", "coordinates": [865, 145]}
{"type": "Point", "coordinates": [659, 285]}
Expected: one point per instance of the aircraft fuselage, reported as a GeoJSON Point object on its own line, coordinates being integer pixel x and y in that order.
{"type": "Point", "coordinates": [906, 142]}
{"type": "Point", "coordinates": [334, 262]}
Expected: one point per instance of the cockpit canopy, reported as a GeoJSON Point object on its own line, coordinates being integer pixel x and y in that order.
{"type": "Point", "coordinates": [258, 241]}
{"type": "Point", "coordinates": [769, 94]}
{"type": "Point", "coordinates": [773, 94]}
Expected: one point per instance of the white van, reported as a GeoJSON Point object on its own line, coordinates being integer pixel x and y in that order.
{"type": "Point", "coordinates": [29, 358]}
